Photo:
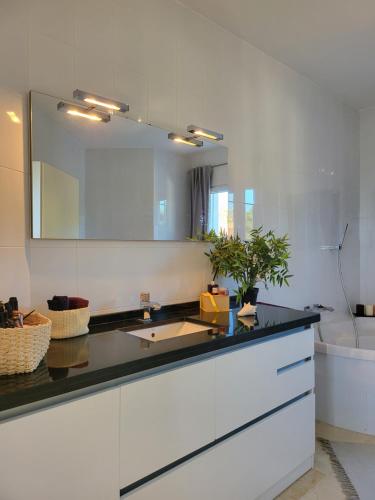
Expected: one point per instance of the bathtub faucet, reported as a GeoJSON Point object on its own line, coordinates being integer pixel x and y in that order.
{"type": "Point", "coordinates": [319, 307]}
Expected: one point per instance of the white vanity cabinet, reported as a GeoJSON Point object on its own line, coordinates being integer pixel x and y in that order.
{"type": "Point", "coordinates": [255, 464]}
{"type": "Point", "coordinates": [168, 416]}
{"type": "Point", "coordinates": [253, 380]}
{"type": "Point", "coordinates": [69, 451]}
{"type": "Point", "coordinates": [92, 447]}
{"type": "Point", "coordinates": [165, 417]}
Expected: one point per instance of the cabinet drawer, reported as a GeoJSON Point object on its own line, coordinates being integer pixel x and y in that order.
{"type": "Point", "coordinates": [255, 379]}
{"type": "Point", "coordinates": [165, 417]}
{"type": "Point", "coordinates": [244, 466]}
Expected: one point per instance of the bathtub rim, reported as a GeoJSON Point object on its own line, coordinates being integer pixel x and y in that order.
{"type": "Point", "coordinates": [344, 351]}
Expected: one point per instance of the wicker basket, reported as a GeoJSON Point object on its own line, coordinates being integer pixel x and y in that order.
{"type": "Point", "coordinates": [70, 323]}
{"type": "Point", "coordinates": [22, 349]}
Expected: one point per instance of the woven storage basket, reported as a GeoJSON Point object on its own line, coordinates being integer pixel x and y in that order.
{"type": "Point", "coordinates": [22, 349]}
{"type": "Point", "coordinates": [70, 323]}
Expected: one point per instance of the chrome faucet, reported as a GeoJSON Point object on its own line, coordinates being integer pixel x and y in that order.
{"type": "Point", "coordinates": [147, 306]}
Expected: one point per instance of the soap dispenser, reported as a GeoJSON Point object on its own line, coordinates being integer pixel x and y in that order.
{"type": "Point", "coordinates": [213, 288]}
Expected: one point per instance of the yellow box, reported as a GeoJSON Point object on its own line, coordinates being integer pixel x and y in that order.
{"type": "Point", "coordinates": [214, 303]}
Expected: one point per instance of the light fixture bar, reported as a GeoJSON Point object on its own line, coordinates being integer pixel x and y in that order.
{"type": "Point", "coordinates": [88, 113]}
{"type": "Point", "coordinates": [190, 141]}
{"type": "Point", "coordinates": [104, 102]}
{"type": "Point", "coordinates": [203, 132]}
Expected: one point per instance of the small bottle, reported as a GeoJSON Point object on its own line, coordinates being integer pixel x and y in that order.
{"type": "Point", "coordinates": [13, 302]}
{"type": "Point", "coordinates": [211, 287]}
{"type": "Point", "coordinates": [369, 310]}
{"type": "Point", "coordinates": [17, 318]}
{"type": "Point", "coordinates": [360, 310]}
{"type": "Point", "coordinates": [3, 319]}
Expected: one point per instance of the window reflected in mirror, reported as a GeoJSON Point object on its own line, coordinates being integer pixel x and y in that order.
{"type": "Point", "coordinates": [221, 212]}
{"type": "Point", "coordinates": [248, 211]}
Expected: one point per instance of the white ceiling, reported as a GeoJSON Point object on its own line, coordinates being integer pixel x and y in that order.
{"type": "Point", "coordinates": [330, 41]}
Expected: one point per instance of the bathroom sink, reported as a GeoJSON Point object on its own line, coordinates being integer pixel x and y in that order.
{"type": "Point", "coordinates": [169, 331]}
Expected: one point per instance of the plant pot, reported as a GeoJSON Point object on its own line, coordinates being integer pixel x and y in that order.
{"type": "Point", "coordinates": [250, 296]}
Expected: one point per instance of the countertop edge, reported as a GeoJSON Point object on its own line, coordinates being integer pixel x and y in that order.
{"type": "Point", "coordinates": [83, 381]}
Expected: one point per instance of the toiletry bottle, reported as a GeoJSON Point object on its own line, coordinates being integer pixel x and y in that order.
{"type": "Point", "coordinates": [360, 310]}
{"type": "Point", "coordinates": [369, 310]}
{"type": "Point", "coordinates": [13, 302]}
{"type": "Point", "coordinates": [211, 286]}
{"type": "Point", "coordinates": [17, 318]}
{"type": "Point", "coordinates": [4, 318]}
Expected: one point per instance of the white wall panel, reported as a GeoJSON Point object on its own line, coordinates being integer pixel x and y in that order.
{"type": "Point", "coordinates": [291, 141]}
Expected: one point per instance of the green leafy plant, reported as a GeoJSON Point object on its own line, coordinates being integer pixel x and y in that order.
{"type": "Point", "coordinates": [263, 258]}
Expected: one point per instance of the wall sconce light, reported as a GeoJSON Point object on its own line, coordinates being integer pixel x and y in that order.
{"type": "Point", "coordinates": [190, 141]}
{"type": "Point", "coordinates": [203, 132]}
{"type": "Point", "coordinates": [88, 113]}
{"type": "Point", "coordinates": [96, 100]}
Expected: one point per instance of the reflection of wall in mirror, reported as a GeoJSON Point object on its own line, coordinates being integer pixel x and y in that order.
{"type": "Point", "coordinates": [171, 194]}
{"type": "Point", "coordinates": [55, 202]}
{"type": "Point", "coordinates": [136, 194]}
{"type": "Point", "coordinates": [119, 194]}
{"type": "Point", "coordinates": [57, 146]}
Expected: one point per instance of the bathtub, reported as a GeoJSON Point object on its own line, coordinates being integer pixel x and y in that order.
{"type": "Point", "coordinates": [345, 375]}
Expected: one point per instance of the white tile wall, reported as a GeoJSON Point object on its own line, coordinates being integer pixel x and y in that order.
{"type": "Point", "coordinates": [51, 65]}
{"type": "Point", "coordinates": [12, 207]}
{"type": "Point", "coordinates": [12, 134]}
{"type": "Point", "coordinates": [296, 145]}
{"type": "Point", "coordinates": [14, 44]}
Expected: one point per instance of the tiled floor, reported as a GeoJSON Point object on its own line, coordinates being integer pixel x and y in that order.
{"type": "Point", "coordinates": [320, 483]}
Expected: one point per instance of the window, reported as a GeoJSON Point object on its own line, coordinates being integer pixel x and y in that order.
{"type": "Point", "coordinates": [162, 211]}
{"type": "Point", "coordinates": [248, 211]}
{"type": "Point", "coordinates": [220, 215]}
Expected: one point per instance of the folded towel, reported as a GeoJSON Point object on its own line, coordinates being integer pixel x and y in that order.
{"type": "Point", "coordinates": [58, 303]}
{"type": "Point", "coordinates": [77, 303]}
{"type": "Point", "coordinates": [63, 303]}
{"type": "Point", "coordinates": [54, 305]}
{"type": "Point", "coordinates": [63, 300]}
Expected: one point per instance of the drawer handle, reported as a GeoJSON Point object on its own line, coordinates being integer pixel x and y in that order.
{"type": "Point", "coordinates": [293, 365]}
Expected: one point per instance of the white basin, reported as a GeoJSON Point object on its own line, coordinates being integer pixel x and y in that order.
{"type": "Point", "coordinates": [168, 331]}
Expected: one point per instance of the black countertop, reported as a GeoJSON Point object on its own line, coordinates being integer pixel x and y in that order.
{"type": "Point", "coordinates": [109, 352]}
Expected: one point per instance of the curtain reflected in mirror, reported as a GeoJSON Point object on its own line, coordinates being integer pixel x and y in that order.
{"type": "Point", "coordinates": [200, 184]}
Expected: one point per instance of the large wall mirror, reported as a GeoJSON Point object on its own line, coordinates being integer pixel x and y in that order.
{"type": "Point", "coordinates": [122, 180]}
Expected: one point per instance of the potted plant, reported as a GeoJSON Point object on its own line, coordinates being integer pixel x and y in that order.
{"type": "Point", "coordinates": [263, 258]}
